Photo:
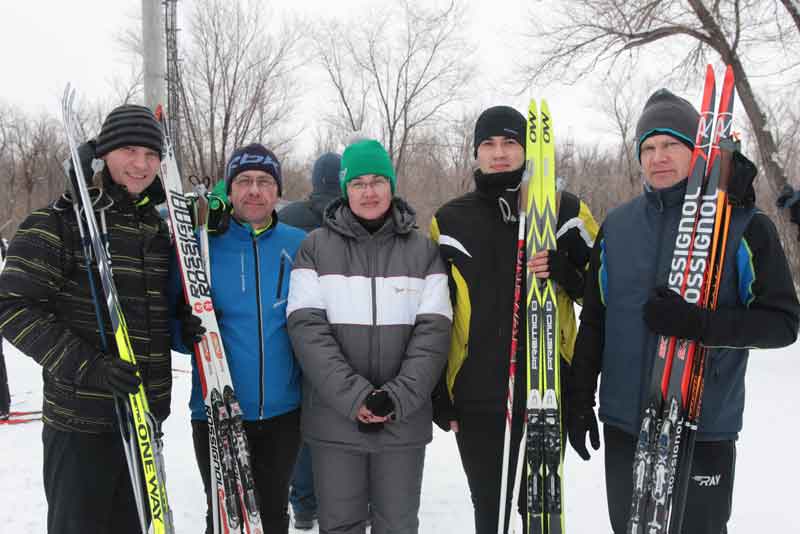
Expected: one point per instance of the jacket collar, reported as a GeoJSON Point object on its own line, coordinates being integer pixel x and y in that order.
{"type": "Point", "coordinates": [244, 232]}
{"type": "Point", "coordinates": [669, 197]}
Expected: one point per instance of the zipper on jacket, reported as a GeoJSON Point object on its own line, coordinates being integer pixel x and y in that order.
{"type": "Point", "coordinates": [280, 277]}
{"type": "Point", "coordinates": [262, 356]}
{"type": "Point", "coordinates": [373, 342]}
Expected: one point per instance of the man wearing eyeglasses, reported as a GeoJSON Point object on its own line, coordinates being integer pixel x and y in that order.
{"type": "Point", "coordinates": [251, 256]}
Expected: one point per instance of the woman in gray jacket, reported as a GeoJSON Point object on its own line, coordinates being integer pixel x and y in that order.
{"type": "Point", "coordinates": [369, 317]}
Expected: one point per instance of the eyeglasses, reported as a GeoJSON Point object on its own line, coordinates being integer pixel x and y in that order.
{"type": "Point", "coordinates": [376, 185]}
{"type": "Point", "coordinates": [262, 183]}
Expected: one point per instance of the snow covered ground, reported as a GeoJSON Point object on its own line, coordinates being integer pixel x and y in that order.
{"type": "Point", "coordinates": [767, 475]}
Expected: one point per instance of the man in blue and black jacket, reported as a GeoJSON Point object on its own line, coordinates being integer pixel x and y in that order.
{"type": "Point", "coordinates": [626, 306]}
{"type": "Point", "coordinates": [251, 256]}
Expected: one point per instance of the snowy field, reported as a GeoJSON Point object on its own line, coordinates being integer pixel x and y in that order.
{"type": "Point", "coordinates": [767, 474]}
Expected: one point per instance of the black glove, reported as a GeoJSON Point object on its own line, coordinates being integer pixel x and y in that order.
{"type": "Point", "coordinates": [380, 404]}
{"type": "Point", "coordinates": [191, 326]}
{"type": "Point", "coordinates": [443, 409]}
{"type": "Point", "coordinates": [86, 154]}
{"type": "Point", "coordinates": [565, 274]}
{"type": "Point", "coordinates": [579, 422]}
{"type": "Point", "coordinates": [666, 313]}
{"type": "Point", "coordinates": [114, 375]}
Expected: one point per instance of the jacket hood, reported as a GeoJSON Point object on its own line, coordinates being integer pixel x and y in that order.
{"type": "Point", "coordinates": [319, 200]}
{"type": "Point", "coordinates": [340, 219]}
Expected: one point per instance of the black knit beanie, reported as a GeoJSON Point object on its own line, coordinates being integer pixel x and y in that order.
{"type": "Point", "coordinates": [668, 114]}
{"type": "Point", "coordinates": [129, 125]}
{"type": "Point", "coordinates": [253, 157]}
{"type": "Point", "coordinates": [499, 121]}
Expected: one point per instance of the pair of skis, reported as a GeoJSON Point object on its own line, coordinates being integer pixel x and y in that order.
{"type": "Point", "coordinates": [235, 506]}
{"type": "Point", "coordinates": [543, 411]}
{"type": "Point", "coordinates": [663, 457]}
{"type": "Point", "coordinates": [542, 449]}
{"type": "Point", "coordinates": [138, 427]}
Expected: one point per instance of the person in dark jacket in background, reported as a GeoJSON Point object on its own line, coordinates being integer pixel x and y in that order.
{"type": "Point", "coordinates": [369, 317]}
{"type": "Point", "coordinates": [626, 307]}
{"type": "Point", "coordinates": [47, 312]}
{"type": "Point", "coordinates": [307, 215]}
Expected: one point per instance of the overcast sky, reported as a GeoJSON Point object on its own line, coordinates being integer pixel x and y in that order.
{"type": "Point", "coordinates": [47, 43]}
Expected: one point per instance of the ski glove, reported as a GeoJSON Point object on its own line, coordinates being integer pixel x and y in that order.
{"type": "Point", "coordinates": [191, 328]}
{"type": "Point", "coordinates": [565, 274]}
{"type": "Point", "coordinates": [113, 374]}
{"type": "Point", "coordinates": [667, 314]}
{"type": "Point", "coordinates": [379, 403]}
{"type": "Point", "coordinates": [579, 422]}
{"type": "Point", "coordinates": [86, 156]}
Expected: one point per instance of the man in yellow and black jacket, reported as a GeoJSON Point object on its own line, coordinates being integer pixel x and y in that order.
{"type": "Point", "coordinates": [477, 236]}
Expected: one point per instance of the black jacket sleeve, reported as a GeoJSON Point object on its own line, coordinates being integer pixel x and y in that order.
{"type": "Point", "coordinates": [770, 317]}
{"type": "Point", "coordinates": [587, 361]}
{"type": "Point", "coordinates": [33, 276]}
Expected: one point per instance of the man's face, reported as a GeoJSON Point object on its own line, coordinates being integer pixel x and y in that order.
{"type": "Point", "coordinates": [369, 196]}
{"type": "Point", "coordinates": [665, 161]}
{"type": "Point", "coordinates": [253, 195]}
{"type": "Point", "coordinates": [133, 167]}
{"type": "Point", "coordinates": [500, 154]}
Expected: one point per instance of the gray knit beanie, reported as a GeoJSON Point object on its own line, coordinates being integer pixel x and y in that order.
{"type": "Point", "coordinates": [668, 114]}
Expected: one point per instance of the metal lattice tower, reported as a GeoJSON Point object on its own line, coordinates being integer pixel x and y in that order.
{"type": "Point", "coordinates": [174, 88]}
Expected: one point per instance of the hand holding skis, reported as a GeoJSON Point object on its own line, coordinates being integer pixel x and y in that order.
{"type": "Point", "coordinates": [581, 420]}
{"type": "Point", "coordinates": [555, 264]}
{"type": "Point", "coordinates": [114, 375]}
{"type": "Point", "coordinates": [668, 314]}
{"type": "Point", "coordinates": [191, 325]}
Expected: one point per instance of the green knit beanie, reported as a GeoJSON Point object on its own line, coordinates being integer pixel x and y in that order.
{"type": "Point", "coordinates": [365, 157]}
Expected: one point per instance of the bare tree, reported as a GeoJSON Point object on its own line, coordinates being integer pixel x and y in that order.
{"type": "Point", "coordinates": [794, 11]}
{"type": "Point", "coordinates": [622, 104]}
{"type": "Point", "coordinates": [397, 71]}
{"type": "Point", "coordinates": [30, 154]}
{"type": "Point", "coordinates": [237, 82]}
{"type": "Point", "coordinates": [607, 30]}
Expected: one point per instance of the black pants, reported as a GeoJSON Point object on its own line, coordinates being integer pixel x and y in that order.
{"type": "Point", "coordinates": [5, 396]}
{"type": "Point", "coordinates": [87, 484]}
{"type": "Point", "coordinates": [274, 444]}
{"type": "Point", "coordinates": [480, 444]}
{"type": "Point", "coordinates": [709, 499]}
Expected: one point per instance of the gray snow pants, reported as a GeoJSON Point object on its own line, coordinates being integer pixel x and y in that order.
{"type": "Point", "coordinates": [351, 485]}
